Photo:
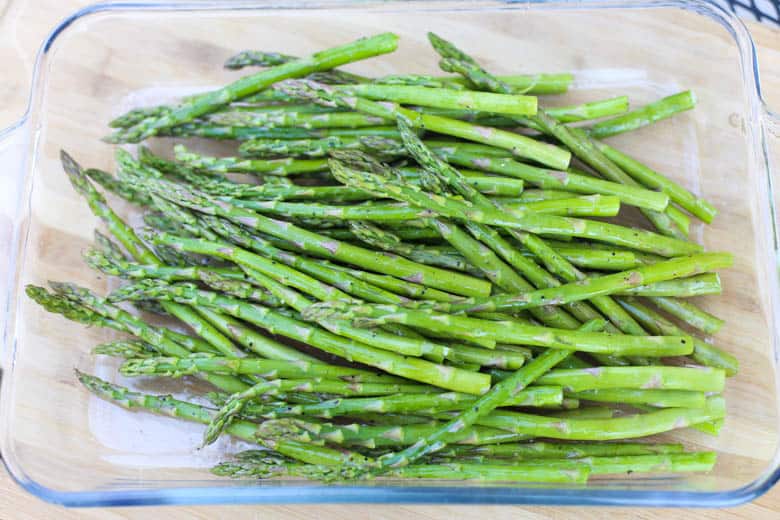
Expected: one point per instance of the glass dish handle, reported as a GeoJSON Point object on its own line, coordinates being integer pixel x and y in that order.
{"type": "Point", "coordinates": [14, 150]}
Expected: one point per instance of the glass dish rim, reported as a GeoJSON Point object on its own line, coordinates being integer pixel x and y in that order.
{"type": "Point", "coordinates": [766, 119]}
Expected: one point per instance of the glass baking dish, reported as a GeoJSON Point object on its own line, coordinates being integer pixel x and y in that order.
{"type": "Point", "coordinates": [68, 447]}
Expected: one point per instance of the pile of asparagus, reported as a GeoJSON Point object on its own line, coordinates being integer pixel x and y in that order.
{"type": "Point", "coordinates": [456, 324]}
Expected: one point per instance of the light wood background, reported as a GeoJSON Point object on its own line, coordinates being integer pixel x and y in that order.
{"type": "Point", "coordinates": [22, 27]}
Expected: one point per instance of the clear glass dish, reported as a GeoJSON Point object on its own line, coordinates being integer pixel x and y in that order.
{"type": "Point", "coordinates": [68, 447]}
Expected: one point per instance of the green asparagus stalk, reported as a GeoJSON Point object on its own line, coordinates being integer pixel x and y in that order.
{"type": "Point", "coordinates": [519, 145]}
{"type": "Point", "coordinates": [564, 114]}
{"type": "Point", "coordinates": [383, 147]}
{"type": "Point", "coordinates": [283, 118]}
{"type": "Point", "coordinates": [579, 143]}
{"type": "Point", "coordinates": [396, 285]}
{"type": "Point", "coordinates": [704, 353]}
{"type": "Point", "coordinates": [608, 284]}
{"type": "Point", "coordinates": [206, 103]}
{"type": "Point", "coordinates": [480, 158]}
{"type": "Point", "coordinates": [272, 59]}
{"type": "Point", "coordinates": [321, 245]}
{"type": "Point", "coordinates": [265, 368]}
{"type": "Point", "coordinates": [276, 323]}
{"type": "Point", "coordinates": [537, 246]}
{"type": "Point", "coordinates": [384, 435]}
{"type": "Point", "coordinates": [645, 115]}
{"type": "Point", "coordinates": [506, 331]}
{"type": "Point", "coordinates": [245, 133]}
{"type": "Point", "coordinates": [163, 340]}
{"type": "Point", "coordinates": [483, 406]}
{"type": "Point", "coordinates": [699, 285]}
{"type": "Point", "coordinates": [245, 430]}
{"type": "Point", "coordinates": [571, 473]}
{"type": "Point", "coordinates": [419, 403]}
{"type": "Point", "coordinates": [553, 450]}
{"type": "Point", "coordinates": [652, 179]}
{"type": "Point", "coordinates": [628, 427]}
{"type": "Point", "coordinates": [250, 339]}
{"type": "Point", "coordinates": [512, 104]}
{"type": "Point", "coordinates": [671, 463]}
{"type": "Point", "coordinates": [531, 222]}
{"type": "Point", "coordinates": [528, 84]}
{"type": "Point", "coordinates": [588, 206]}
{"type": "Point", "coordinates": [111, 184]}
{"type": "Point", "coordinates": [655, 377]}
{"type": "Point", "coordinates": [138, 250]}
{"type": "Point", "coordinates": [125, 349]}
{"type": "Point", "coordinates": [280, 167]}
{"type": "Point", "coordinates": [689, 313]}
{"type": "Point", "coordinates": [648, 396]}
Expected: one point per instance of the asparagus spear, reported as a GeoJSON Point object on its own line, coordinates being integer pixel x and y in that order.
{"type": "Point", "coordinates": [285, 118]}
{"type": "Point", "coordinates": [632, 426]}
{"type": "Point", "coordinates": [506, 331]}
{"type": "Point", "coordinates": [265, 368]}
{"type": "Point", "coordinates": [668, 269]}
{"type": "Point", "coordinates": [483, 406]}
{"type": "Point", "coordinates": [702, 284]}
{"type": "Point", "coordinates": [655, 377]}
{"type": "Point", "coordinates": [386, 241]}
{"type": "Point", "coordinates": [245, 430]}
{"type": "Point", "coordinates": [564, 114]}
{"type": "Point", "coordinates": [590, 206]}
{"type": "Point", "coordinates": [645, 115]}
{"type": "Point", "coordinates": [703, 353]}
{"type": "Point", "coordinates": [125, 349]}
{"type": "Point", "coordinates": [271, 59]}
{"type": "Point", "coordinates": [652, 179]}
{"type": "Point", "coordinates": [281, 167]}
{"type": "Point", "coordinates": [411, 368]}
{"type": "Point", "coordinates": [552, 450]}
{"type": "Point", "coordinates": [314, 148]}
{"type": "Point", "coordinates": [554, 262]}
{"type": "Point", "coordinates": [138, 250]}
{"type": "Point", "coordinates": [519, 145]}
{"type": "Point", "coordinates": [204, 104]}
{"type": "Point", "coordinates": [244, 133]}
{"type": "Point", "coordinates": [689, 313]}
{"type": "Point", "coordinates": [396, 285]}
{"type": "Point", "coordinates": [111, 184]}
{"type": "Point", "coordinates": [531, 222]}
{"type": "Point", "coordinates": [446, 471]}
{"type": "Point", "coordinates": [579, 143]}
{"type": "Point", "coordinates": [165, 341]}
{"type": "Point", "coordinates": [673, 463]}
{"type": "Point", "coordinates": [485, 159]}
{"type": "Point", "coordinates": [380, 436]}
{"type": "Point", "coordinates": [419, 403]}
{"type": "Point", "coordinates": [320, 244]}
{"type": "Point", "coordinates": [651, 396]}
{"type": "Point", "coordinates": [504, 103]}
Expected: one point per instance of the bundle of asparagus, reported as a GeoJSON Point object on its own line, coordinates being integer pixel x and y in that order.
{"type": "Point", "coordinates": [460, 326]}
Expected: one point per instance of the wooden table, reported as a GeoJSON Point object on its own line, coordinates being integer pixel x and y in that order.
{"type": "Point", "coordinates": [17, 50]}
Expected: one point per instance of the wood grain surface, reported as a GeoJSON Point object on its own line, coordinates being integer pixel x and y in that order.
{"type": "Point", "coordinates": [22, 27]}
